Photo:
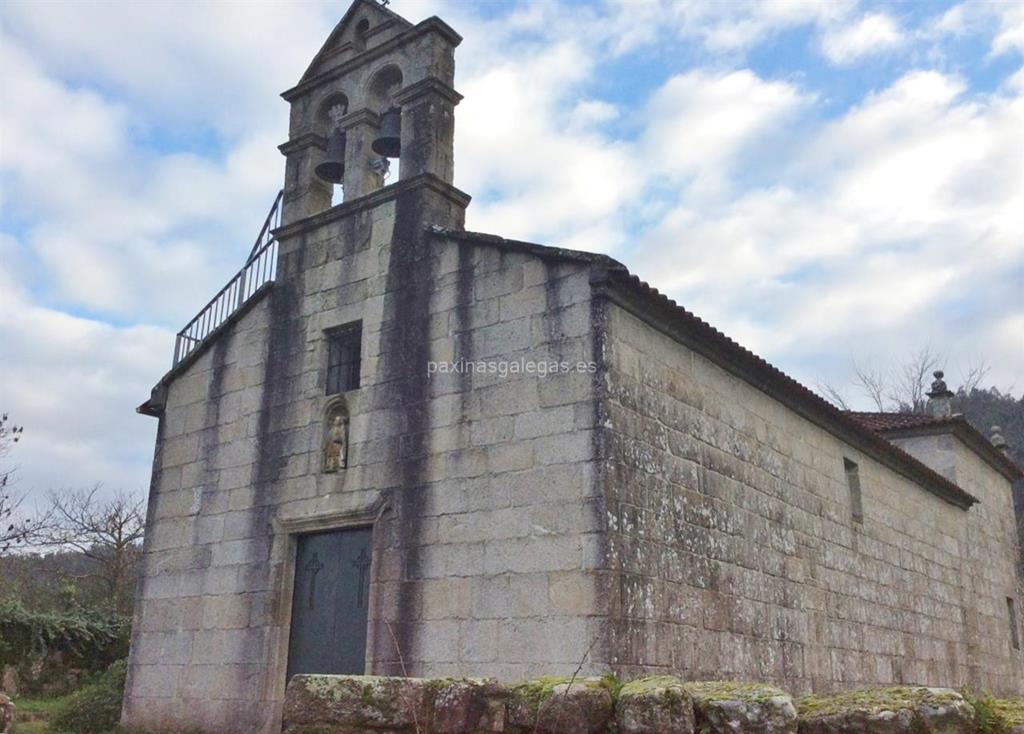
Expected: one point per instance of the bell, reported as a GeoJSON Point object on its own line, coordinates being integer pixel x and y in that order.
{"type": "Point", "coordinates": [389, 141]}
{"type": "Point", "coordinates": [332, 169]}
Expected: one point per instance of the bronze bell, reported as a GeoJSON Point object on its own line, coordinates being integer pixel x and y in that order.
{"type": "Point", "coordinates": [388, 142]}
{"type": "Point", "coordinates": [332, 169]}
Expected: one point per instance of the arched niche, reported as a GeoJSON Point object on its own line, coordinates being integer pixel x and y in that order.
{"type": "Point", "coordinates": [334, 437]}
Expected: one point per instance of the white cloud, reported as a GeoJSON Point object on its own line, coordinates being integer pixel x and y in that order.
{"type": "Point", "coordinates": [740, 25]}
{"type": "Point", "coordinates": [140, 156]}
{"type": "Point", "coordinates": [871, 34]}
{"type": "Point", "coordinates": [111, 220]}
{"type": "Point", "coordinates": [878, 231]}
{"type": "Point", "coordinates": [73, 383]}
{"type": "Point", "coordinates": [1011, 28]}
{"type": "Point", "coordinates": [955, 20]}
{"type": "Point", "coordinates": [1002, 20]}
{"type": "Point", "coordinates": [107, 223]}
{"type": "Point", "coordinates": [517, 133]}
{"type": "Point", "coordinates": [698, 122]}
{"type": "Point", "coordinates": [219, 64]}
{"type": "Point", "coordinates": [1015, 82]}
{"type": "Point", "coordinates": [558, 173]}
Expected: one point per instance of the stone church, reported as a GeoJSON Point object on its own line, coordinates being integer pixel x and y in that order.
{"type": "Point", "coordinates": [393, 446]}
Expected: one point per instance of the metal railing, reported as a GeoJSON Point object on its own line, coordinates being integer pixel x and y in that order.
{"type": "Point", "coordinates": [259, 269]}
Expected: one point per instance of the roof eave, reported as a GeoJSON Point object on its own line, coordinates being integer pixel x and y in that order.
{"type": "Point", "coordinates": [731, 356]}
{"type": "Point", "coordinates": [970, 436]}
{"type": "Point", "coordinates": [613, 280]}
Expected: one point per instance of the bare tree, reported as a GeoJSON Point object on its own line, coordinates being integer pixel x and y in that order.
{"type": "Point", "coordinates": [834, 395]}
{"type": "Point", "coordinates": [14, 530]}
{"type": "Point", "coordinates": [910, 387]}
{"type": "Point", "coordinates": [970, 378]}
{"type": "Point", "coordinates": [905, 388]}
{"type": "Point", "coordinates": [108, 532]}
{"type": "Point", "coordinates": [872, 383]}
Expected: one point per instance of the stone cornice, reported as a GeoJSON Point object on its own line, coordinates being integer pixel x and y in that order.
{"type": "Point", "coordinates": [387, 193]}
{"type": "Point", "coordinates": [361, 516]}
{"type": "Point", "coordinates": [301, 142]}
{"type": "Point", "coordinates": [428, 86]}
{"type": "Point", "coordinates": [359, 117]}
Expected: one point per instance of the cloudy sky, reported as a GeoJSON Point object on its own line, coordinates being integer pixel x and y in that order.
{"type": "Point", "coordinates": [826, 181]}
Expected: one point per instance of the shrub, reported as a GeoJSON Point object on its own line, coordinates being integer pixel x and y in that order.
{"type": "Point", "coordinates": [51, 651]}
{"type": "Point", "coordinates": [992, 715]}
{"type": "Point", "coordinates": [96, 708]}
{"type": "Point", "coordinates": [82, 635]}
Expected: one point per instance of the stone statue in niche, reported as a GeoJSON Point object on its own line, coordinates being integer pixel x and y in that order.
{"type": "Point", "coordinates": [336, 445]}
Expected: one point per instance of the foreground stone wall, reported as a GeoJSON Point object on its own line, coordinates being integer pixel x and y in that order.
{"type": "Point", "coordinates": [734, 551]}
{"type": "Point", "coordinates": [662, 705]}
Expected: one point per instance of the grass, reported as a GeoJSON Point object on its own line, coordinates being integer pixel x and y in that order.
{"type": "Point", "coordinates": [1011, 711]}
{"type": "Point", "coordinates": [30, 727]}
{"type": "Point", "coordinates": [47, 706]}
{"type": "Point", "coordinates": [995, 715]}
{"type": "Point", "coordinates": [730, 691]}
{"type": "Point", "coordinates": [646, 685]}
{"type": "Point", "coordinates": [873, 700]}
{"type": "Point", "coordinates": [38, 709]}
{"type": "Point", "coordinates": [37, 705]}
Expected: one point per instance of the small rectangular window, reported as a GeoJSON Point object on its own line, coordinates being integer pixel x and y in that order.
{"type": "Point", "coordinates": [853, 482]}
{"type": "Point", "coordinates": [344, 351]}
{"type": "Point", "coordinates": [1014, 629]}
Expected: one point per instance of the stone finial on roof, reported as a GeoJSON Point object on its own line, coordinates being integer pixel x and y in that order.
{"type": "Point", "coordinates": [940, 397]}
{"type": "Point", "coordinates": [939, 387]}
{"type": "Point", "coordinates": [997, 439]}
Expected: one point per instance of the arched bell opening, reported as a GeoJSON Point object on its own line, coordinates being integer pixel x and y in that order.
{"type": "Point", "coordinates": [331, 168]}
{"type": "Point", "coordinates": [384, 85]}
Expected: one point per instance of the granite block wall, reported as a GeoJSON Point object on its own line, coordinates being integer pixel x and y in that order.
{"type": "Point", "coordinates": [734, 551]}
{"type": "Point", "coordinates": [479, 486]}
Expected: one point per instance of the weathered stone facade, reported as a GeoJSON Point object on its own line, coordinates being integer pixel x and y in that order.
{"type": "Point", "coordinates": [649, 505]}
{"type": "Point", "coordinates": [734, 550]}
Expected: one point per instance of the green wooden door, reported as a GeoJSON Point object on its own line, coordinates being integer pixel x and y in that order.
{"type": "Point", "coordinates": [329, 604]}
